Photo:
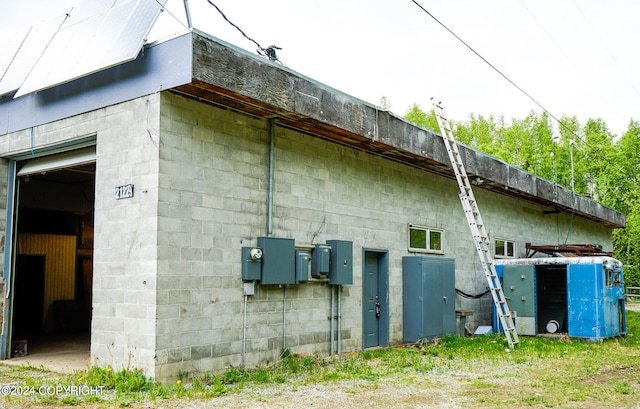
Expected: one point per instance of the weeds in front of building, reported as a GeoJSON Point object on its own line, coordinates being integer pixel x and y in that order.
{"type": "Point", "coordinates": [540, 371]}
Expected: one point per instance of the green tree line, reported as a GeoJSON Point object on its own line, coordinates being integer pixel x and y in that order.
{"type": "Point", "coordinates": [606, 167]}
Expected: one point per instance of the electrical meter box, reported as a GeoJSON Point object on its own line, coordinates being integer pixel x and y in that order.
{"type": "Point", "coordinates": [341, 262]}
{"type": "Point", "coordinates": [302, 266]}
{"type": "Point", "coordinates": [320, 259]}
{"type": "Point", "coordinates": [278, 260]}
{"type": "Point", "coordinates": [251, 263]}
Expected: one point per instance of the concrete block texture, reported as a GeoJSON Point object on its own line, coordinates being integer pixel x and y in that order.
{"type": "Point", "coordinates": [123, 333]}
{"type": "Point", "coordinates": [125, 245]}
{"type": "Point", "coordinates": [321, 191]}
{"type": "Point", "coordinates": [167, 288]}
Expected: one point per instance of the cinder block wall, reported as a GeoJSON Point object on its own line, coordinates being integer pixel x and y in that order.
{"type": "Point", "coordinates": [123, 325]}
{"type": "Point", "coordinates": [167, 289]}
{"type": "Point", "coordinates": [212, 201]}
{"type": "Point", "coordinates": [124, 273]}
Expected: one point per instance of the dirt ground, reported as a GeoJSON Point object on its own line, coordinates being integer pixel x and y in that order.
{"type": "Point", "coordinates": [525, 381]}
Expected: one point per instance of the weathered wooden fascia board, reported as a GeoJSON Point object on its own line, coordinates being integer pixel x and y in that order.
{"type": "Point", "coordinates": [287, 92]}
{"type": "Point", "coordinates": [297, 97]}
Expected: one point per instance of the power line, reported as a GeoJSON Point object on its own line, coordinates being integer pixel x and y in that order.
{"type": "Point", "coordinates": [561, 123]}
{"type": "Point", "coordinates": [269, 52]}
{"type": "Point", "coordinates": [607, 48]}
{"type": "Point", "coordinates": [495, 69]}
{"type": "Point", "coordinates": [553, 40]}
{"type": "Point", "coordinates": [598, 151]}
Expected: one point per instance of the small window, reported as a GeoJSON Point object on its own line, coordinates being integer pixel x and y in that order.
{"type": "Point", "coordinates": [426, 239]}
{"type": "Point", "coordinates": [613, 277]}
{"type": "Point", "coordinates": [505, 248]}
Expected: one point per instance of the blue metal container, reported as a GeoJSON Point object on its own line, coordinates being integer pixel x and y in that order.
{"type": "Point", "coordinates": [580, 296]}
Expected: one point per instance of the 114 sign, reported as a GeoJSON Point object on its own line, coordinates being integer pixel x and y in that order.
{"type": "Point", "coordinates": [124, 192]}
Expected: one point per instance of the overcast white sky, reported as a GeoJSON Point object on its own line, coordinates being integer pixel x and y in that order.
{"type": "Point", "coordinates": [575, 57]}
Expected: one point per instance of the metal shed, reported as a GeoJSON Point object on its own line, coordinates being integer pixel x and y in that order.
{"type": "Point", "coordinates": [580, 296]}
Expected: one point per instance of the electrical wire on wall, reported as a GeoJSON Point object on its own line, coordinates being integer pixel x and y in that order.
{"type": "Point", "coordinates": [472, 296]}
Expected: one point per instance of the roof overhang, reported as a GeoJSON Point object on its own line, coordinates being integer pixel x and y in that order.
{"type": "Point", "coordinates": [201, 67]}
{"type": "Point", "coordinates": [231, 78]}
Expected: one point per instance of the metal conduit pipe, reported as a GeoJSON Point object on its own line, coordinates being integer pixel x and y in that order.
{"type": "Point", "coordinates": [269, 233]}
{"type": "Point", "coordinates": [339, 290]}
{"type": "Point", "coordinates": [244, 332]}
{"type": "Point", "coordinates": [270, 181]}
{"type": "Point", "coordinates": [284, 318]}
{"type": "Point", "coordinates": [331, 336]}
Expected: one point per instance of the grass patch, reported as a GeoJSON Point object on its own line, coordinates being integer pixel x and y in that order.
{"type": "Point", "coordinates": [480, 372]}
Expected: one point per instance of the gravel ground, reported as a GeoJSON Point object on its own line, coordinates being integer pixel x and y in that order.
{"type": "Point", "coordinates": [448, 387]}
{"type": "Point", "coordinates": [430, 392]}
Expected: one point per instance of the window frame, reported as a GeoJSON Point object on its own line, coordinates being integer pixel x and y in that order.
{"type": "Point", "coordinates": [505, 247]}
{"type": "Point", "coordinates": [428, 231]}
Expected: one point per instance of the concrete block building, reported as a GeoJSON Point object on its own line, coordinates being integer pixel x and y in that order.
{"type": "Point", "coordinates": [129, 194]}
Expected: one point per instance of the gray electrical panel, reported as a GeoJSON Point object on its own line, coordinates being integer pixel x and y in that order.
{"type": "Point", "coordinates": [320, 260]}
{"type": "Point", "coordinates": [428, 298]}
{"type": "Point", "coordinates": [341, 262]}
{"type": "Point", "coordinates": [251, 264]}
{"type": "Point", "coordinates": [302, 266]}
{"type": "Point", "coordinates": [278, 260]}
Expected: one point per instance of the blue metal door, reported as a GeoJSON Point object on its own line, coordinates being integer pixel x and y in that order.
{"type": "Point", "coordinates": [372, 306]}
{"type": "Point", "coordinates": [585, 300]}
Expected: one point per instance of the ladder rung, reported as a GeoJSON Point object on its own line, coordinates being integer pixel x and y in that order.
{"type": "Point", "coordinates": [476, 225]}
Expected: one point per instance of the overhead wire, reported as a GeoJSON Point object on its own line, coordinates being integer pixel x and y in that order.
{"type": "Point", "coordinates": [560, 122]}
{"type": "Point", "coordinates": [553, 40]}
{"type": "Point", "coordinates": [269, 52]}
{"type": "Point", "coordinates": [495, 69]}
{"type": "Point", "coordinates": [615, 60]}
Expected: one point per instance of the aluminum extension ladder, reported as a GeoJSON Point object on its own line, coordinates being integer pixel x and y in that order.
{"type": "Point", "coordinates": [478, 230]}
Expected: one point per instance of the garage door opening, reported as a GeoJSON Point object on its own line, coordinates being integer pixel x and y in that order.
{"type": "Point", "coordinates": [53, 254]}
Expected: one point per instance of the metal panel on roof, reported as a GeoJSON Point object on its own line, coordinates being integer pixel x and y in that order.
{"type": "Point", "coordinates": [9, 48]}
{"type": "Point", "coordinates": [89, 8]}
{"type": "Point", "coordinates": [23, 50]}
{"type": "Point", "coordinates": [99, 38]}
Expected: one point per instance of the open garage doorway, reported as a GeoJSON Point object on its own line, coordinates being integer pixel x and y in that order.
{"type": "Point", "coordinates": [53, 254]}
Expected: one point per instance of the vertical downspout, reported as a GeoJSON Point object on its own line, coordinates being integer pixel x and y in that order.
{"type": "Point", "coordinates": [270, 181]}
{"type": "Point", "coordinates": [339, 290]}
{"type": "Point", "coordinates": [269, 229]}
{"type": "Point", "coordinates": [272, 135]}
{"type": "Point", "coordinates": [331, 336]}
